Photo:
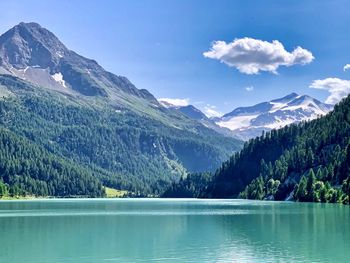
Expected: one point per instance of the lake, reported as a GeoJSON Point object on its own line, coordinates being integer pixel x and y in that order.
{"type": "Point", "coordinates": [172, 230]}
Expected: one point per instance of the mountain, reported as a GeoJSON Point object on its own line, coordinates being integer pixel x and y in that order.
{"type": "Point", "coordinates": [309, 161]}
{"type": "Point", "coordinates": [33, 53]}
{"type": "Point", "coordinates": [195, 114]}
{"type": "Point", "coordinates": [249, 122]}
{"type": "Point", "coordinates": [71, 108]}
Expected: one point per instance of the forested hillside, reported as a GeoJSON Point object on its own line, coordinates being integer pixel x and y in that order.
{"type": "Point", "coordinates": [188, 187]}
{"type": "Point", "coordinates": [28, 169]}
{"type": "Point", "coordinates": [305, 162]}
{"type": "Point", "coordinates": [123, 149]}
{"type": "Point", "coordinates": [309, 162]}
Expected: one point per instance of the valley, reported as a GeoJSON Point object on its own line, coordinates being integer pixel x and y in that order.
{"type": "Point", "coordinates": [70, 107]}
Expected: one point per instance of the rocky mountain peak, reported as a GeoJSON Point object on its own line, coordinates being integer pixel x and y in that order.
{"type": "Point", "coordinates": [31, 52]}
{"type": "Point", "coordinates": [29, 44]}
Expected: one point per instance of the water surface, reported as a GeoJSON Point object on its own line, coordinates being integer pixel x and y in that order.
{"type": "Point", "coordinates": [169, 230]}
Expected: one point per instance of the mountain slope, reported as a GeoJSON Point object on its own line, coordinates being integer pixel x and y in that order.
{"type": "Point", "coordinates": [312, 155]}
{"type": "Point", "coordinates": [192, 112]}
{"type": "Point", "coordinates": [73, 108]}
{"type": "Point", "coordinates": [195, 114]}
{"type": "Point", "coordinates": [249, 122]}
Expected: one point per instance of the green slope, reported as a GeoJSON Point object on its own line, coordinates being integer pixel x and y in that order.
{"type": "Point", "coordinates": [140, 148]}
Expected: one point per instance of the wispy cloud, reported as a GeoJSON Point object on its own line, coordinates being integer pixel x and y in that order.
{"type": "Point", "coordinates": [174, 102]}
{"type": "Point", "coordinates": [211, 111]}
{"type": "Point", "coordinates": [338, 88]}
{"type": "Point", "coordinates": [346, 67]}
{"type": "Point", "coordinates": [249, 88]}
{"type": "Point", "coordinates": [250, 56]}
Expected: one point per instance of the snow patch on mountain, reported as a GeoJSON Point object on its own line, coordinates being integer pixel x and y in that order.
{"type": "Point", "coordinates": [238, 122]}
{"type": "Point", "coordinates": [58, 77]}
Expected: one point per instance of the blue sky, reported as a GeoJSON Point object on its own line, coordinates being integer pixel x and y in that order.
{"type": "Point", "coordinates": [159, 44]}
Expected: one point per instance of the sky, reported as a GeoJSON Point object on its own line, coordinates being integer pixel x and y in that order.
{"type": "Point", "coordinates": [216, 55]}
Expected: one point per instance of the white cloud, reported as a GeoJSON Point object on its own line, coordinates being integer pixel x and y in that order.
{"type": "Point", "coordinates": [211, 111]}
{"type": "Point", "coordinates": [250, 56]}
{"type": "Point", "coordinates": [249, 88]}
{"type": "Point", "coordinates": [346, 67]}
{"type": "Point", "coordinates": [174, 102]}
{"type": "Point", "coordinates": [338, 88]}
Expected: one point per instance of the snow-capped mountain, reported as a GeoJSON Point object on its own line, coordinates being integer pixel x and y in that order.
{"type": "Point", "coordinates": [249, 122]}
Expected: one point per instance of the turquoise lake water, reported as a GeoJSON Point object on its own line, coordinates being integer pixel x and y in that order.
{"type": "Point", "coordinates": [170, 230]}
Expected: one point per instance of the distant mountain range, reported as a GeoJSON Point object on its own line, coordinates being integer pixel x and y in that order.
{"type": "Point", "coordinates": [249, 122]}
{"type": "Point", "coordinates": [62, 105]}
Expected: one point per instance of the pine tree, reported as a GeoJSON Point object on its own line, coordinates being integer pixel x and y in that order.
{"type": "Point", "coordinates": [310, 187]}
{"type": "Point", "coordinates": [300, 192]}
{"type": "Point", "coordinates": [3, 189]}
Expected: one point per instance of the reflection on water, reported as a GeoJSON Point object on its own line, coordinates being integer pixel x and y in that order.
{"type": "Point", "coordinates": [132, 230]}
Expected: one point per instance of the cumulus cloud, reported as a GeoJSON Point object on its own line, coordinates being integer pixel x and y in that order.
{"type": "Point", "coordinates": [250, 56]}
{"type": "Point", "coordinates": [249, 88]}
{"type": "Point", "coordinates": [346, 67]}
{"type": "Point", "coordinates": [174, 102]}
{"type": "Point", "coordinates": [338, 88]}
{"type": "Point", "coordinates": [211, 111]}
